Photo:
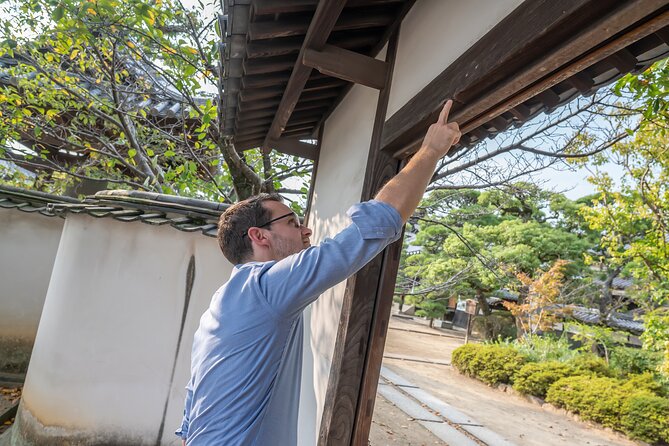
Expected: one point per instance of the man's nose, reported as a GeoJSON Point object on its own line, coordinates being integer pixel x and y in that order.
{"type": "Point", "coordinates": [306, 231]}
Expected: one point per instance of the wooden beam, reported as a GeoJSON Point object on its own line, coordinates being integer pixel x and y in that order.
{"type": "Point", "coordinates": [300, 129]}
{"type": "Point", "coordinates": [264, 80]}
{"type": "Point", "coordinates": [303, 117]}
{"type": "Point", "coordinates": [321, 26]}
{"type": "Point", "coordinates": [323, 84]}
{"type": "Point", "coordinates": [356, 362]}
{"type": "Point", "coordinates": [260, 93]}
{"type": "Point", "coordinates": [306, 98]}
{"type": "Point", "coordinates": [314, 173]}
{"type": "Point", "coordinates": [528, 45]}
{"type": "Point", "coordinates": [270, 48]}
{"type": "Point", "coordinates": [390, 31]}
{"type": "Point", "coordinates": [268, 64]}
{"type": "Point", "coordinates": [264, 122]}
{"type": "Point", "coordinates": [293, 146]}
{"type": "Point", "coordinates": [251, 135]}
{"type": "Point", "coordinates": [603, 52]}
{"type": "Point", "coordinates": [305, 130]}
{"type": "Point", "coordinates": [347, 65]}
{"type": "Point", "coordinates": [255, 114]}
{"type": "Point", "coordinates": [312, 105]}
{"type": "Point", "coordinates": [247, 144]}
{"type": "Point", "coordinates": [264, 7]}
{"type": "Point", "coordinates": [292, 45]}
{"type": "Point", "coordinates": [299, 26]}
{"type": "Point", "coordinates": [251, 130]}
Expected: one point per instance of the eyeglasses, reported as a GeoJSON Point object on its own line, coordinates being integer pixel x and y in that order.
{"type": "Point", "coordinates": [270, 222]}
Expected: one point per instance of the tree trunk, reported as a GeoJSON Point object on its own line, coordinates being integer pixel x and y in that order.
{"type": "Point", "coordinates": [245, 181]}
{"type": "Point", "coordinates": [606, 301]}
{"type": "Point", "coordinates": [485, 308]}
{"type": "Point", "coordinates": [520, 330]}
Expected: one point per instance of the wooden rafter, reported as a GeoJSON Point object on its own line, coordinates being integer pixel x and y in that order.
{"type": "Point", "coordinates": [293, 146]}
{"type": "Point", "coordinates": [298, 26]}
{"type": "Point", "coordinates": [347, 65]}
{"type": "Point", "coordinates": [321, 26]}
{"type": "Point", "coordinates": [530, 44]}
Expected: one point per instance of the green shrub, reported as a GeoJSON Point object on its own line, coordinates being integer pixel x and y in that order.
{"type": "Point", "coordinates": [595, 398]}
{"type": "Point", "coordinates": [644, 382]}
{"type": "Point", "coordinates": [535, 378]}
{"type": "Point", "coordinates": [629, 360]}
{"type": "Point", "coordinates": [589, 364]}
{"type": "Point", "coordinates": [490, 363]}
{"type": "Point", "coordinates": [646, 417]}
{"type": "Point", "coordinates": [463, 356]}
{"type": "Point", "coordinates": [495, 364]}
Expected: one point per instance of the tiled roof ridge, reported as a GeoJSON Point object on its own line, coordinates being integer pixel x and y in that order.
{"type": "Point", "coordinates": [192, 215]}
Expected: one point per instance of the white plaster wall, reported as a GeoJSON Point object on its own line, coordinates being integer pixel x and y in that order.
{"type": "Point", "coordinates": [339, 181]}
{"type": "Point", "coordinates": [28, 245]}
{"type": "Point", "coordinates": [433, 35]}
{"type": "Point", "coordinates": [106, 344]}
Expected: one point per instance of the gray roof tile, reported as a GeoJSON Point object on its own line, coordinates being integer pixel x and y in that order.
{"type": "Point", "coordinates": [183, 214]}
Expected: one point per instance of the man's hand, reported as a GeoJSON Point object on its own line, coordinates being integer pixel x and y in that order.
{"type": "Point", "coordinates": [442, 135]}
{"type": "Point", "coordinates": [404, 191]}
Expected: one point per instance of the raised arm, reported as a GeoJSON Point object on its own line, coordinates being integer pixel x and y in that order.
{"type": "Point", "coordinates": [404, 190]}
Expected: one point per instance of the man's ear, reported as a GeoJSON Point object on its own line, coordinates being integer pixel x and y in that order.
{"type": "Point", "coordinates": [258, 236]}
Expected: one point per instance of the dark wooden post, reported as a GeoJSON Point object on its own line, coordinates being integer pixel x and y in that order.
{"type": "Point", "coordinates": [356, 362]}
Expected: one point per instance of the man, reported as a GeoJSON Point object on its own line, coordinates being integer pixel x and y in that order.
{"type": "Point", "coordinates": [247, 353]}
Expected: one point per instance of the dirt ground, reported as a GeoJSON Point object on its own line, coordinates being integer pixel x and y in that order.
{"type": "Point", "coordinates": [510, 415]}
{"type": "Point", "coordinates": [9, 395]}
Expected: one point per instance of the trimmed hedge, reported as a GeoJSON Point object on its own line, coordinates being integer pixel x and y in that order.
{"type": "Point", "coordinates": [645, 381]}
{"type": "Point", "coordinates": [536, 377]}
{"type": "Point", "coordinates": [463, 357]}
{"type": "Point", "coordinates": [636, 405]}
{"type": "Point", "coordinates": [595, 398]}
{"type": "Point", "coordinates": [491, 364]}
{"type": "Point", "coordinates": [646, 417]}
{"type": "Point", "coordinates": [628, 406]}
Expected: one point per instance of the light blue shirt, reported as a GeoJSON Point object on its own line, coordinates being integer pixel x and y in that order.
{"type": "Point", "coordinates": [246, 361]}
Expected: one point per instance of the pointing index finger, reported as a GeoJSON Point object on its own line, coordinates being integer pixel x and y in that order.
{"type": "Point", "coordinates": [443, 116]}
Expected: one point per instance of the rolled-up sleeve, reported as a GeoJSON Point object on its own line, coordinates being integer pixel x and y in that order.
{"type": "Point", "coordinates": [294, 282]}
{"type": "Point", "coordinates": [376, 220]}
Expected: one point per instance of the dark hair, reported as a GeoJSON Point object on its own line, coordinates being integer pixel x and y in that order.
{"type": "Point", "coordinates": [236, 221]}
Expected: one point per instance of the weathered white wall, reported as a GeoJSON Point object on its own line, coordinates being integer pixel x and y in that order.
{"type": "Point", "coordinates": [102, 363]}
{"type": "Point", "coordinates": [28, 245]}
{"type": "Point", "coordinates": [433, 35]}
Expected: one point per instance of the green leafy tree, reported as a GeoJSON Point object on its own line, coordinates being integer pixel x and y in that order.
{"type": "Point", "coordinates": [480, 248]}
{"type": "Point", "coordinates": [116, 92]}
{"type": "Point", "coordinates": [631, 213]}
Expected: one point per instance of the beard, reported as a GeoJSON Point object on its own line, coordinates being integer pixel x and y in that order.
{"type": "Point", "coordinates": [284, 247]}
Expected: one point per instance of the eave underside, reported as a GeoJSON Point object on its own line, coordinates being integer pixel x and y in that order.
{"type": "Point", "coordinates": [266, 40]}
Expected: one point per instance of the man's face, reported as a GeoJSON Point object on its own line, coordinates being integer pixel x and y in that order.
{"type": "Point", "coordinates": [286, 234]}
